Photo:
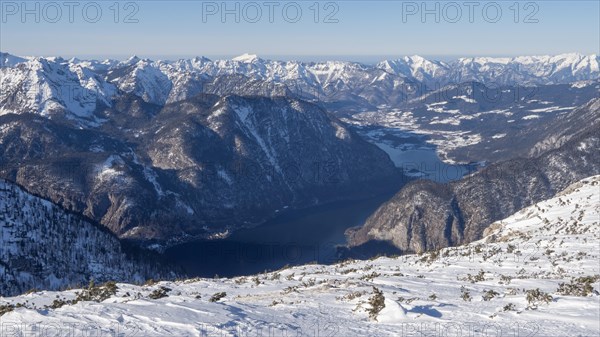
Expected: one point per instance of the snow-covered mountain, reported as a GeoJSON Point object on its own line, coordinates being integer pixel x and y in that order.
{"type": "Point", "coordinates": [522, 70]}
{"type": "Point", "coordinates": [54, 87]}
{"type": "Point", "coordinates": [535, 273]}
{"type": "Point", "coordinates": [46, 85]}
{"type": "Point", "coordinates": [389, 82]}
{"type": "Point", "coordinates": [137, 119]}
{"type": "Point", "coordinates": [8, 60]}
{"type": "Point", "coordinates": [326, 81]}
{"type": "Point", "coordinates": [418, 68]}
{"type": "Point", "coordinates": [45, 247]}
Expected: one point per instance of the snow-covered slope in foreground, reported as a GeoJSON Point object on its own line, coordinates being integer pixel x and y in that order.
{"type": "Point", "coordinates": [535, 274]}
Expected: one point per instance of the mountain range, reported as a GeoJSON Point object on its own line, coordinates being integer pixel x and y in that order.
{"type": "Point", "coordinates": [166, 152]}
{"type": "Point", "coordinates": [340, 85]}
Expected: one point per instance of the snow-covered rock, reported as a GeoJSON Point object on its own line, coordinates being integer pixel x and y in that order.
{"type": "Point", "coordinates": [55, 88]}
{"type": "Point", "coordinates": [8, 60]}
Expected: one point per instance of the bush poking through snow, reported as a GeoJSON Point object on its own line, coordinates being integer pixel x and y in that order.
{"type": "Point", "coordinates": [150, 282]}
{"type": "Point", "coordinates": [217, 296]}
{"type": "Point", "coordinates": [97, 293]}
{"type": "Point", "coordinates": [352, 295]}
{"type": "Point", "coordinates": [535, 297]}
{"type": "Point", "coordinates": [369, 277]}
{"type": "Point", "coordinates": [377, 303]}
{"type": "Point", "coordinates": [489, 294]}
{"type": "Point", "coordinates": [505, 279]}
{"type": "Point", "coordinates": [4, 309]}
{"type": "Point", "coordinates": [480, 277]}
{"type": "Point", "coordinates": [465, 294]}
{"type": "Point", "coordinates": [58, 303]}
{"type": "Point", "coordinates": [159, 293]}
{"type": "Point", "coordinates": [581, 286]}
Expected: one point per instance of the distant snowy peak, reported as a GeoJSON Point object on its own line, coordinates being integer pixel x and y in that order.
{"type": "Point", "coordinates": [248, 58]}
{"type": "Point", "coordinates": [53, 86]}
{"type": "Point", "coordinates": [132, 60]}
{"type": "Point", "coordinates": [572, 61]}
{"type": "Point", "coordinates": [8, 60]}
{"type": "Point", "coordinates": [146, 80]}
{"type": "Point", "coordinates": [307, 80]}
{"type": "Point", "coordinates": [415, 67]}
{"type": "Point", "coordinates": [564, 68]}
{"type": "Point", "coordinates": [529, 70]}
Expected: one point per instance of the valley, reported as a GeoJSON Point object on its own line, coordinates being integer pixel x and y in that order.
{"type": "Point", "coordinates": [234, 196]}
{"type": "Point", "coordinates": [340, 169]}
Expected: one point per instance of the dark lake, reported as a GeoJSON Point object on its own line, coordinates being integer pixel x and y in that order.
{"type": "Point", "coordinates": [292, 238]}
{"type": "Point", "coordinates": [309, 235]}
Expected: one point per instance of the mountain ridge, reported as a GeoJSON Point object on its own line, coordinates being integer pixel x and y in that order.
{"type": "Point", "coordinates": [332, 82]}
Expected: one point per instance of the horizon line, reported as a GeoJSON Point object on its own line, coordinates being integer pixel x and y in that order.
{"type": "Point", "coordinates": [291, 57]}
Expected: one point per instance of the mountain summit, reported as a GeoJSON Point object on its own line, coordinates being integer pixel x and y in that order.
{"type": "Point", "coordinates": [248, 58]}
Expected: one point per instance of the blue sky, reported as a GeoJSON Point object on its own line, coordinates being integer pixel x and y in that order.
{"type": "Point", "coordinates": [364, 31]}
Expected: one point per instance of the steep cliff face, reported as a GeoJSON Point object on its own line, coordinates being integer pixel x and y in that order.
{"type": "Point", "coordinates": [425, 215]}
{"type": "Point", "coordinates": [197, 167]}
{"type": "Point", "coordinates": [42, 246]}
